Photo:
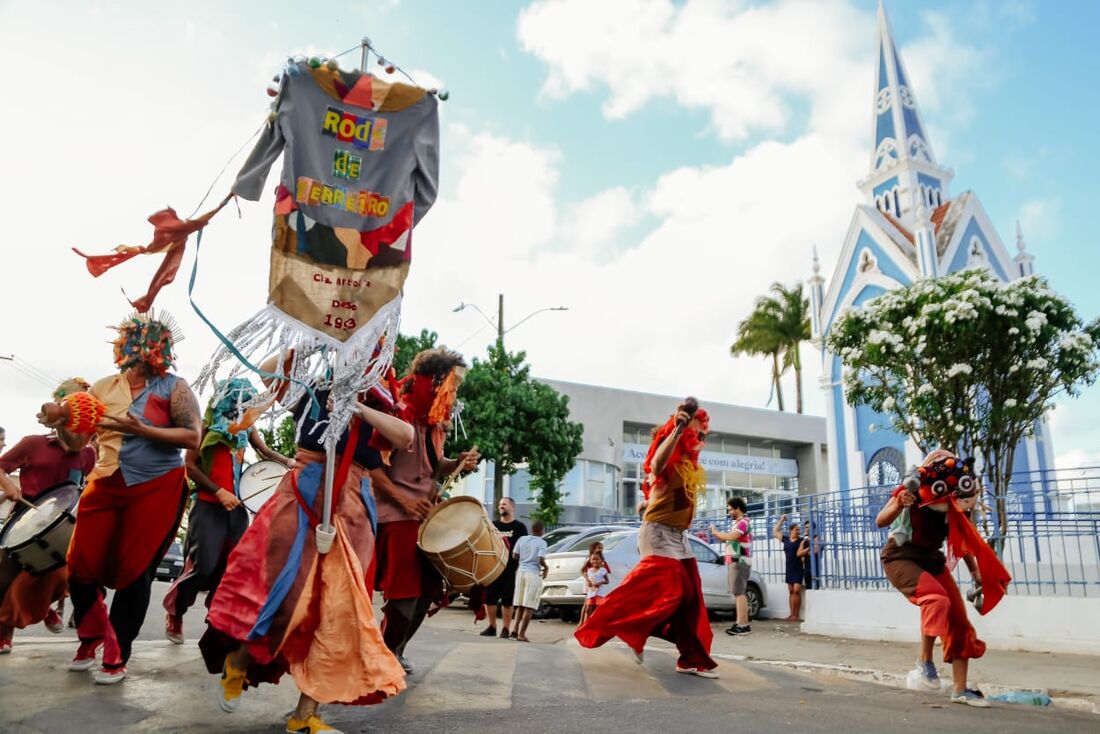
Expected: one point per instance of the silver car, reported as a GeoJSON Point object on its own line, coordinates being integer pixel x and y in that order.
{"type": "Point", "coordinates": [563, 588]}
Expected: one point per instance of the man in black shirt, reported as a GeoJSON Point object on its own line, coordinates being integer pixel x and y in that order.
{"type": "Point", "coordinates": [500, 592]}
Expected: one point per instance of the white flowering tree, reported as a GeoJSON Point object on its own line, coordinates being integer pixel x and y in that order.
{"type": "Point", "coordinates": [967, 363]}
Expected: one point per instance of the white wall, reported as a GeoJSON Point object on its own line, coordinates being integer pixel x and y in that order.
{"type": "Point", "coordinates": [1034, 623]}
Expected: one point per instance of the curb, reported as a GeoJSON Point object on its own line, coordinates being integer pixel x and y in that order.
{"type": "Point", "coordinates": [1068, 701]}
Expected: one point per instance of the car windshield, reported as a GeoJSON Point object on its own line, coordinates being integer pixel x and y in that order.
{"type": "Point", "coordinates": [584, 542]}
{"type": "Point", "coordinates": [556, 538]}
{"type": "Point", "coordinates": [614, 539]}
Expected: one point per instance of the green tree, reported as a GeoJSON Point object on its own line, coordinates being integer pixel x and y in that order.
{"type": "Point", "coordinates": [791, 319]}
{"type": "Point", "coordinates": [513, 420]}
{"type": "Point", "coordinates": [758, 335]}
{"type": "Point", "coordinates": [967, 363]}
{"type": "Point", "coordinates": [409, 346]}
{"type": "Point", "coordinates": [281, 437]}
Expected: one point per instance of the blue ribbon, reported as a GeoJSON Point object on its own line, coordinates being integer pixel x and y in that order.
{"type": "Point", "coordinates": [315, 405]}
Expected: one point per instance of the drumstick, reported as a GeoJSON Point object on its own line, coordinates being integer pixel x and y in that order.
{"type": "Point", "coordinates": [28, 503]}
{"type": "Point", "coordinates": [453, 475]}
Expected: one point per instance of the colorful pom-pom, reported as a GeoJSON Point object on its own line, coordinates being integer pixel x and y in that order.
{"type": "Point", "coordinates": [390, 69]}
{"type": "Point", "coordinates": [85, 412]}
{"type": "Point", "coordinates": [332, 65]}
{"type": "Point", "coordinates": [314, 62]}
{"type": "Point", "coordinates": [443, 95]}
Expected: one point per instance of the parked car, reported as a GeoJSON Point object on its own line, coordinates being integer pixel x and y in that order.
{"type": "Point", "coordinates": [564, 587]}
{"type": "Point", "coordinates": [171, 566]}
{"type": "Point", "coordinates": [557, 538]}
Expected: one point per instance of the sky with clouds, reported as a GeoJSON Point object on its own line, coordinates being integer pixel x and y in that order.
{"type": "Point", "coordinates": [652, 165]}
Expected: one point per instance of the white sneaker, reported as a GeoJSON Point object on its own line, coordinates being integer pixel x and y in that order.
{"type": "Point", "coordinates": [105, 677]}
{"type": "Point", "coordinates": [698, 671]}
{"type": "Point", "coordinates": [923, 677]}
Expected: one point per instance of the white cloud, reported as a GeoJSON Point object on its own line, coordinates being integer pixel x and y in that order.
{"type": "Point", "coordinates": [595, 224]}
{"type": "Point", "coordinates": [741, 62]}
{"type": "Point", "coordinates": [1041, 219]}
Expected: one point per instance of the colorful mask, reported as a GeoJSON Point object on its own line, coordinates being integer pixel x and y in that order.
{"type": "Point", "coordinates": [146, 339]}
{"type": "Point", "coordinates": [946, 478]}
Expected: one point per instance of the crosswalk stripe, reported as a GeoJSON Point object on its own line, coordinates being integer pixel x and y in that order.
{"type": "Point", "coordinates": [611, 675]}
{"type": "Point", "coordinates": [473, 676]}
{"type": "Point", "coordinates": [736, 678]}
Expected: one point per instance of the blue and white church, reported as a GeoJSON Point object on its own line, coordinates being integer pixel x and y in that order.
{"type": "Point", "coordinates": [908, 227]}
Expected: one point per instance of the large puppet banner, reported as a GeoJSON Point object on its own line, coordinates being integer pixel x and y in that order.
{"type": "Point", "coordinates": [360, 169]}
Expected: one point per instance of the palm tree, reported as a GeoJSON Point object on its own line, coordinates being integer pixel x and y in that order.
{"type": "Point", "coordinates": [758, 335]}
{"type": "Point", "coordinates": [791, 315]}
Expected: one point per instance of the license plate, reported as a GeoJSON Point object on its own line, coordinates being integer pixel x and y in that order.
{"type": "Point", "coordinates": [555, 591]}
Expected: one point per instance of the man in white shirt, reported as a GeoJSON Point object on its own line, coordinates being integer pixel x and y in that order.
{"type": "Point", "coordinates": [531, 552]}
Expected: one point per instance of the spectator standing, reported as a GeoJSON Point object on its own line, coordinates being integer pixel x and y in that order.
{"type": "Point", "coordinates": [738, 562]}
{"type": "Point", "coordinates": [597, 577]}
{"type": "Point", "coordinates": [530, 552]}
{"type": "Point", "coordinates": [792, 546]}
{"type": "Point", "coordinates": [502, 591]}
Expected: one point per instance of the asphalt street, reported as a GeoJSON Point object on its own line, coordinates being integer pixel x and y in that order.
{"type": "Point", "coordinates": [466, 683]}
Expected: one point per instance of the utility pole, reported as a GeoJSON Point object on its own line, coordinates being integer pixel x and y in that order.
{"type": "Point", "coordinates": [498, 476]}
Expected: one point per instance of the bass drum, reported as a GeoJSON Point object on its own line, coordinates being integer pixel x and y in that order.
{"type": "Point", "coordinates": [258, 483]}
{"type": "Point", "coordinates": [462, 544]}
{"type": "Point", "coordinates": [38, 539]}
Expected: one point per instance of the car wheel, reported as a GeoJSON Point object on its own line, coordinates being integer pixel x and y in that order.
{"type": "Point", "coordinates": [570, 615]}
{"type": "Point", "coordinates": [754, 599]}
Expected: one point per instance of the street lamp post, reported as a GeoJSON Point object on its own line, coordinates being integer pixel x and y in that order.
{"type": "Point", "coordinates": [498, 478]}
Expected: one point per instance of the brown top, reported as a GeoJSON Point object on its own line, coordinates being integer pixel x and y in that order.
{"type": "Point", "coordinates": [672, 502]}
{"type": "Point", "coordinates": [411, 473]}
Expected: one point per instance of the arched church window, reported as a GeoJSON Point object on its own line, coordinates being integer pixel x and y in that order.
{"type": "Point", "coordinates": [885, 467]}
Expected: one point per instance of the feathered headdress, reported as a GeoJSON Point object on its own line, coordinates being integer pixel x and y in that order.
{"type": "Point", "coordinates": [149, 339]}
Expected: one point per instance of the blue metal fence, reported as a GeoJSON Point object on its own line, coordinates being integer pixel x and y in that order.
{"type": "Point", "coordinates": [1051, 541]}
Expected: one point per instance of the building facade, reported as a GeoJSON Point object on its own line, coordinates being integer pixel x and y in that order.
{"type": "Point", "coordinates": [763, 455]}
{"type": "Point", "coordinates": [909, 227]}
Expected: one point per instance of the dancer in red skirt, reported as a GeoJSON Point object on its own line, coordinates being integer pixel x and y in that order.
{"type": "Point", "coordinates": [663, 595]}
{"type": "Point", "coordinates": [131, 508]}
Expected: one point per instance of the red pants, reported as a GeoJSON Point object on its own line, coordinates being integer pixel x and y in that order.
{"type": "Point", "coordinates": [942, 609]}
{"type": "Point", "coordinates": [661, 597]}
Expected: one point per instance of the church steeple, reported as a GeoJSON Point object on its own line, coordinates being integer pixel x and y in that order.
{"type": "Point", "coordinates": [904, 171]}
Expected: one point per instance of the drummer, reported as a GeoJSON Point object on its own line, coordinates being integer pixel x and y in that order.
{"type": "Point", "coordinates": [43, 462]}
{"type": "Point", "coordinates": [218, 519]}
{"type": "Point", "coordinates": [406, 490]}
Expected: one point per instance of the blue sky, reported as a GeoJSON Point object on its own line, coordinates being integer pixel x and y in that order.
{"type": "Point", "coordinates": [652, 165]}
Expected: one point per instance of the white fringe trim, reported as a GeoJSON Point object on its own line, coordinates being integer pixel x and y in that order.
{"type": "Point", "coordinates": [344, 368]}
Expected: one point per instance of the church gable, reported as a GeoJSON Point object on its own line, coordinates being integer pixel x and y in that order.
{"type": "Point", "coordinates": [872, 255]}
{"type": "Point", "coordinates": [971, 241]}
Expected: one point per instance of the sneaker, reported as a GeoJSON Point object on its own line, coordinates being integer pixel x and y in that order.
{"type": "Point", "coordinates": [5, 647]}
{"type": "Point", "coordinates": [108, 676]}
{"type": "Point", "coordinates": [173, 629]}
{"type": "Point", "coordinates": [53, 621]}
{"type": "Point", "coordinates": [504, 633]}
{"type": "Point", "coordinates": [971, 697]}
{"type": "Point", "coordinates": [312, 724]}
{"type": "Point", "coordinates": [85, 655]}
{"type": "Point", "coordinates": [638, 655]}
{"type": "Point", "coordinates": [515, 635]}
{"type": "Point", "coordinates": [739, 629]}
{"type": "Point", "coordinates": [405, 665]}
{"type": "Point", "coordinates": [232, 685]}
{"type": "Point", "coordinates": [701, 672]}
{"type": "Point", "coordinates": [923, 677]}
{"type": "Point", "coordinates": [489, 632]}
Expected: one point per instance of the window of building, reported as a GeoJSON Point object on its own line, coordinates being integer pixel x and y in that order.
{"type": "Point", "coordinates": [885, 467]}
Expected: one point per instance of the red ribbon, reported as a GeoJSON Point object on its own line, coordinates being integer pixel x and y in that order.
{"type": "Point", "coordinates": [170, 235]}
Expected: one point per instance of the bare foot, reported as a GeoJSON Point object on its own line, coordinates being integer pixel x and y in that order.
{"type": "Point", "coordinates": [791, 619]}
{"type": "Point", "coordinates": [522, 639]}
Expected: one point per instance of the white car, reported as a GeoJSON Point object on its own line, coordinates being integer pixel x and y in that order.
{"type": "Point", "coordinates": [563, 588]}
